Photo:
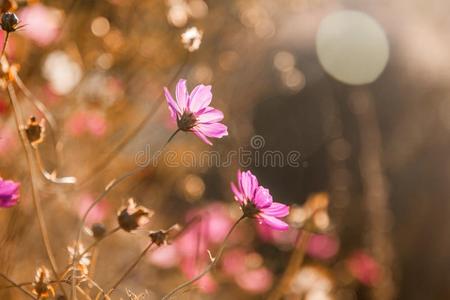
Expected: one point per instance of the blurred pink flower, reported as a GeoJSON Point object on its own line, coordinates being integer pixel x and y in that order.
{"type": "Point", "coordinates": [87, 122]}
{"type": "Point", "coordinates": [364, 268]}
{"type": "Point", "coordinates": [193, 113]}
{"type": "Point", "coordinates": [256, 202]}
{"type": "Point", "coordinates": [8, 140]}
{"type": "Point", "coordinates": [9, 193]}
{"type": "Point", "coordinates": [255, 281]}
{"type": "Point", "coordinates": [165, 257]}
{"type": "Point", "coordinates": [322, 246]}
{"type": "Point", "coordinates": [42, 24]}
{"type": "Point", "coordinates": [281, 238]}
{"type": "Point", "coordinates": [97, 214]}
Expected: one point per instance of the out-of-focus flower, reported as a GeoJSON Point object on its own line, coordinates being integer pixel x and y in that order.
{"type": "Point", "coordinates": [192, 38]}
{"type": "Point", "coordinates": [322, 246]}
{"type": "Point", "coordinates": [256, 202]}
{"type": "Point", "coordinates": [97, 214]}
{"type": "Point", "coordinates": [193, 113]}
{"type": "Point", "coordinates": [281, 238]}
{"type": "Point", "coordinates": [87, 122]}
{"type": "Point", "coordinates": [313, 213]}
{"type": "Point", "coordinates": [41, 284]}
{"type": "Point", "coordinates": [8, 140]}
{"type": "Point", "coordinates": [43, 23]}
{"type": "Point", "coordinates": [310, 282]}
{"type": "Point", "coordinates": [131, 217]}
{"type": "Point", "coordinates": [364, 268]}
{"type": "Point", "coordinates": [165, 257]}
{"type": "Point", "coordinates": [9, 193]}
{"type": "Point", "coordinates": [35, 131]}
{"type": "Point", "coordinates": [62, 72]}
{"type": "Point", "coordinates": [250, 276]}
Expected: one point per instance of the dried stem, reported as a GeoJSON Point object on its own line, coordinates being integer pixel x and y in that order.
{"type": "Point", "coordinates": [4, 43]}
{"type": "Point", "coordinates": [99, 240]}
{"type": "Point", "coordinates": [35, 196]}
{"type": "Point", "coordinates": [109, 187]}
{"type": "Point", "coordinates": [115, 285]}
{"type": "Point", "coordinates": [116, 149]}
{"type": "Point", "coordinates": [294, 263]}
{"type": "Point", "coordinates": [208, 268]}
{"type": "Point", "coordinates": [17, 286]}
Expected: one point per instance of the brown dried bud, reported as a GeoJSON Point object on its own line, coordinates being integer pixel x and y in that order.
{"type": "Point", "coordinates": [41, 286]}
{"type": "Point", "coordinates": [132, 217]}
{"type": "Point", "coordinates": [35, 131]}
{"type": "Point", "coordinates": [98, 230]}
{"type": "Point", "coordinates": [162, 237]}
{"type": "Point", "coordinates": [10, 22]}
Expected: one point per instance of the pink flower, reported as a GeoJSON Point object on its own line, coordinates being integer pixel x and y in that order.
{"type": "Point", "coordinates": [322, 246]}
{"type": "Point", "coordinates": [193, 113]}
{"type": "Point", "coordinates": [9, 193]}
{"type": "Point", "coordinates": [256, 202]}
{"type": "Point", "coordinates": [364, 268]}
{"type": "Point", "coordinates": [42, 23]}
{"type": "Point", "coordinates": [255, 281]}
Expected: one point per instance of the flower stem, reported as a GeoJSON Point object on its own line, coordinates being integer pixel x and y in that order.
{"type": "Point", "coordinates": [107, 189]}
{"type": "Point", "coordinates": [35, 196]}
{"type": "Point", "coordinates": [209, 267]}
{"type": "Point", "coordinates": [17, 286]}
{"type": "Point", "coordinates": [4, 43]}
{"type": "Point", "coordinates": [99, 240]}
{"type": "Point", "coordinates": [294, 263]}
{"type": "Point", "coordinates": [129, 269]}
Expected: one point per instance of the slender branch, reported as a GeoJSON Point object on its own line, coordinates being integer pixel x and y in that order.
{"type": "Point", "coordinates": [99, 240]}
{"type": "Point", "coordinates": [4, 43]}
{"type": "Point", "coordinates": [115, 285]}
{"type": "Point", "coordinates": [51, 177]}
{"type": "Point", "coordinates": [209, 267]}
{"type": "Point", "coordinates": [115, 182]}
{"type": "Point", "coordinates": [116, 149]}
{"type": "Point", "coordinates": [17, 286]}
{"type": "Point", "coordinates": [294, 263]}
{"type": "Point", "coordinates": [35, 196]}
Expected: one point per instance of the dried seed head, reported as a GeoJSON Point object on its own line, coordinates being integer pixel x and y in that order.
{"type": "Point", "coordinates": [35, 131]}
{"type": "Point", "coordinates": [162, 237]}
{"type": "Point", "coordinates": [10, 22]}
{"type": "Point", "coordinates": [131, 217]}
{"type": "Point", "coordinates": [191, 39]}
{"type": "Point", "coordinates": [41, 286]}
{"type": "Point", "coordinates": [98, 230]}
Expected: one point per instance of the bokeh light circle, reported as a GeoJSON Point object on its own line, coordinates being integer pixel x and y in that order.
{"type": "Point", "coordinates": [352, 47]}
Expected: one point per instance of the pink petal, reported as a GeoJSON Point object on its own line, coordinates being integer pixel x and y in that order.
{"type": "Point", "coordinates": [277, 210]}
{"type": "Point", "coordinates": [173, 107]}
{"type": "Point", "coordinates": [237, 194]}
{"type": "Point", "coordinates": [262, 198]}
{"type": "Point", "coordinates": [215, 130]}
{"type": "Point", "coordinates": [249, 184]}
{"type": "Point", "coordinates": [182, 95]}
{"type": "Point", "coordinates": [272, 222]}
{"type": "Point", "coordinates": [200, 98]}
{"type": "Point", "coordinates": [210, 115]}
{"type": "Point", "coordinates": [202, 137]}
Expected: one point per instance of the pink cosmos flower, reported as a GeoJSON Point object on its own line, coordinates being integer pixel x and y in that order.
{"type": "Point", "coordinates": [193, 113]}
{"type": "Point", "coordinates": [364, 268]}
{"type": "Point", "coordinates": [9, 193]}
{"type": "Point", "coordinates": [43, 23]}
{"type": "Point", "coordinates": [256, 202]}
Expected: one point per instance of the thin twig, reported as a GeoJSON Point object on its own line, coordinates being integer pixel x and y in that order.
{"type": "Point", "coordinates": [4, 43]}
{"type": "Point", "coordinates": [29, 294]}
{"type": "Point", "coordinates": [115, 285]}
{"type": "Point", "coordinates": [35, 196]}
{"type": "Point", "coordinates": [208, 268]}
{"type": "Point", "coordinates": [115, 182]}
{"type": "Point", "coordinates": [116, 149]}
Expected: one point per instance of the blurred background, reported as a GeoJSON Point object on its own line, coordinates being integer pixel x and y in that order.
{"type": "Point", "coordinates": [358, 88]}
